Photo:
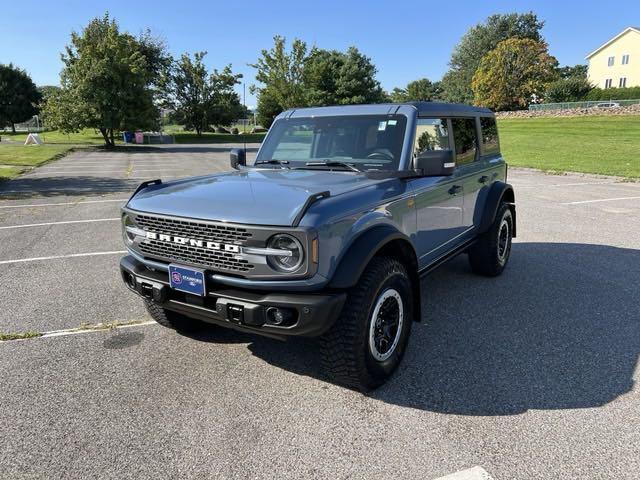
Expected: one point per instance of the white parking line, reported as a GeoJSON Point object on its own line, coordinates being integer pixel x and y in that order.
{"type": "Point", "coordinates": [86, 172]}
{"type": "Point", "coordinates": [62, 203]}
{"type": "Point", "coordinates": [77, 331]}
{"type": "Point", "coordinates": [56, 257]}
{"type": "Point", "coordinates": [601, 200]}
{"type": "Point", "coordinates": [66, 222]}
{"type": "Point", "coordinates": [618, 184]}
{"type": "Point", "coordinates": [475, 473]}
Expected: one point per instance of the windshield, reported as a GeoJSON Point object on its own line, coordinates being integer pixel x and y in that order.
{"type": "Point", "coordinates": [366, 142]}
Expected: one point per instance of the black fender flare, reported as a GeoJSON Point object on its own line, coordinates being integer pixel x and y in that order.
{"type": "Point", "coordinates": [366, 246]}
{"type": "Point", "coordinates": [500, 192]}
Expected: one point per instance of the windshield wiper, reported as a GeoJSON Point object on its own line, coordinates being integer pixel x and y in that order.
{"type": "Point", "coordinates": [333, 163]}
{"type": "Point", "coordinates": [282, 163]}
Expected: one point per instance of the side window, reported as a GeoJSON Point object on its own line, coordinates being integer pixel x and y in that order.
{"type": "Point", "coordinates": [490, 143]}
{"type": "Point", "coordinates": [465, 139]}
{"type": "Point", "coordinates": [431, 134]}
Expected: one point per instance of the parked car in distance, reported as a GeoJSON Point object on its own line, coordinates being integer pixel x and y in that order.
{"type": "Point", "coordinates": [328, 232]}
{"type": "Point", "coordinates": [607, 105]}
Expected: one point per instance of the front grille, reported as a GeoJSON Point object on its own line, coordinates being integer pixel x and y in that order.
{"type": "Point", "coordinates": [205, 257]}
{"type": "Point", "coordinates": [191, 229]}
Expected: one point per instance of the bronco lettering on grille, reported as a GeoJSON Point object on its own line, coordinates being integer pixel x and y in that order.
{"type": "Point", "coordinates": [192, 242]}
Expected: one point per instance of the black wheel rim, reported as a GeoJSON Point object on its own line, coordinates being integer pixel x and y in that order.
{"type": "Point", "coordinates": [386, 324]}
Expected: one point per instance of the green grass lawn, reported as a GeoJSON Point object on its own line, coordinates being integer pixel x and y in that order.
{"type": "Point", "coordinates": [16, 158]}
{"type": "Point", "coordinates": [608, 145]}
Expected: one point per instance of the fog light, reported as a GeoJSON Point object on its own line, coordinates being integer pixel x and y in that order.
{"type": "Point", "coordinates": [279, 316]}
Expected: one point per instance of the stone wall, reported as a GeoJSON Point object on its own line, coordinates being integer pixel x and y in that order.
{"type": "Point", "coordinates": [574, 112]}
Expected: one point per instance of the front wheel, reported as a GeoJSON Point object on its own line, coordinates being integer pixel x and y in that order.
{"type": "Point", "coordinates": [368, 341]}
{"type": "Point", "coordinates": [490, 254]}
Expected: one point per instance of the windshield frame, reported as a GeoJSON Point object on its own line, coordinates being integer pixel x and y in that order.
{"type": "Point", "coordinates": [400, 144]}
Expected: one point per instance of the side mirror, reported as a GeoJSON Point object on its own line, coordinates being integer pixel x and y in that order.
{"type": "Point", "coordinates": [435, 163]}
{"type": "Point", "coordinates": [237, 157]}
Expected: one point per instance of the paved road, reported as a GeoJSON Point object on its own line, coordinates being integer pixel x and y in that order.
{"type": "Point", "coordinates": [530, 375]}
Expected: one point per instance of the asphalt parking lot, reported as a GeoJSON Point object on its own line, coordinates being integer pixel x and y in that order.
{"type": "Point", "coordinates": [532, 375]}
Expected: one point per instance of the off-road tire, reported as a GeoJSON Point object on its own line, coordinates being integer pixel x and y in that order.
{"type": "Point", "coordinates": [346, 352]}
{"type": "Point", "coordinates": [488, 256]}
{"type": "Point", "coordinates": [172, 320]}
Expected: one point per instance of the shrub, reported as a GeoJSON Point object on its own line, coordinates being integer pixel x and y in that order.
{"type": "Point", "coordinates": [571, 89]}
{"type": "Point", "coordinates": [631, 93]}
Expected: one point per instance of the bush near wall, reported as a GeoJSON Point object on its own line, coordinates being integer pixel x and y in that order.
{"type": "Point", "coordinates": [631, 93]}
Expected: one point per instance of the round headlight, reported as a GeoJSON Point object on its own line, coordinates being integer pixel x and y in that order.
{"type": "Point", "coordinates": [128, 229]}
{"type": "Point", "coordinates": [292, 253]}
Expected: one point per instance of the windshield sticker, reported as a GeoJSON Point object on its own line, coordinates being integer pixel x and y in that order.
{"type": "Point", "coordinates": [391, 122]}
{"type": "Point", "coordinates": [382, 126]}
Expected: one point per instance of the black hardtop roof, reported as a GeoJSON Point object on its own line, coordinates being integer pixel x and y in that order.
{"type": "Point", "coordinates": [428, 109]}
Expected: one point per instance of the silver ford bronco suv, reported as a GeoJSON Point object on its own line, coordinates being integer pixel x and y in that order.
{"type": "Point", "coordinates": [328, 232]}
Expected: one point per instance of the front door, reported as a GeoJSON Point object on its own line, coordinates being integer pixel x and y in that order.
{"type": "Point", "coordinates": [438, 200]}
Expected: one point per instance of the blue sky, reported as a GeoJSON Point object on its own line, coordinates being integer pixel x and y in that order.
{"type": "Point", "coordinates": [406, 40]}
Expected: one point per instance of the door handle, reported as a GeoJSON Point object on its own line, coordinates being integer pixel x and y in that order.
{"type": "Point", "coordinates": [455, 189]}
{"type": "Point", "coordinates": [483, 179]}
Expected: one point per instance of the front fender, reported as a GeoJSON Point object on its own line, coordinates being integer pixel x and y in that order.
{"type": "Point", "coordinates": [360, 252]}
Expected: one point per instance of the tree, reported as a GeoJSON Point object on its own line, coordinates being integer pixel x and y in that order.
{"type": "Point", "coordinates": [331, 77]}
{"type": "Point", "coordinates": [422, 89]}
{"type": "Point", "coordinates": [109, 82]}
{"type": "Point", "coordinates": [577, 71]}
{"type": "Point", "coordinates": [201, 99]}
{"type": "Point", "coordinates": [512, 74]}
{"type": "Point", "coordinates": [299, 78]}
{"type": "Point", "coordinates": [571, 89]}
{"type": "Point", "coordinates": [280, 72]}
{"type": "Point", "coordinates": [19, 96]}
{"type": "Point", "coordinates": [480, 40]}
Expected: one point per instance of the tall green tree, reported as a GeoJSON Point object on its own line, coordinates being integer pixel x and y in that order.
{"type": "Point", "coordinates": [331, 77]}
{"type": "Point", "coordinates": [280, 73]}
{"type": "Point", "coordinates": [517, 71]}
{"type": "Point", "coordinates": [109, 82]}
{"type": "Point", "coordinates": [201, 99]}
{"type": "Point", "coordinates": [298, 78]}
{"type": "Point", "coordinates": [19, 96]}
{"type": "Point", "coordinates": [419, 90]}
{"type": "Point", "coordinates": [480, 40]}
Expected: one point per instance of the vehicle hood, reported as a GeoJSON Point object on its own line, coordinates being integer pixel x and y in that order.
{"type": "Point", "coordinates": [256, 196]}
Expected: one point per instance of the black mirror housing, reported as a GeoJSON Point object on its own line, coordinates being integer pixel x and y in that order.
{"type": "Point", "coordinates": [435, 163]}
{"type": "Point", "coordinates": [237, 157]}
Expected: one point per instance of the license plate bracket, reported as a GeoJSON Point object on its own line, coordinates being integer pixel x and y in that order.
{"type": "Point", "coordinates": [187, 279]}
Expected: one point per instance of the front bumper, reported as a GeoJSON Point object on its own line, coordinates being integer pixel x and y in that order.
{"type": "Point", "coordinates": [310, 314]}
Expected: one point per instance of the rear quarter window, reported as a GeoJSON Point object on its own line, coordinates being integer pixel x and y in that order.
{"type": "Point", "coordinates": [490, 141]}
{"type": "Point", "coordinates": [465, 139]}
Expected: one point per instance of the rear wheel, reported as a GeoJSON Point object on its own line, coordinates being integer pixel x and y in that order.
{"type": "Point", "coordinates": [368, 341]}
{"type": "Point", "coordinates": [490, 254]}
{"type": "Point", "coordinates": [173, 320]}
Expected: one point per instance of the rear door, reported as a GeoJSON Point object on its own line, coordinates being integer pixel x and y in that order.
{"type": "Point", "coordinates": [478, 162]}
{"type": "Point", "coordinates": [468, 169]}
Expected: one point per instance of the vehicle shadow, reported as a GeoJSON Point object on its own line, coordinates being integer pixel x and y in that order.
{"type": "Point", "coordinates": [559, 329]}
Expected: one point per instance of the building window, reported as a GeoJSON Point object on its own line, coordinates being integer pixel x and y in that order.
{"type": "Point", "coordinates": [608, 82]}
{"type": "Point", "coordinates": [625, 59]}
{"type": "Point", "coordinates": [623, 82]}
{"type": "Point", "coordinates": [610, 61]}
